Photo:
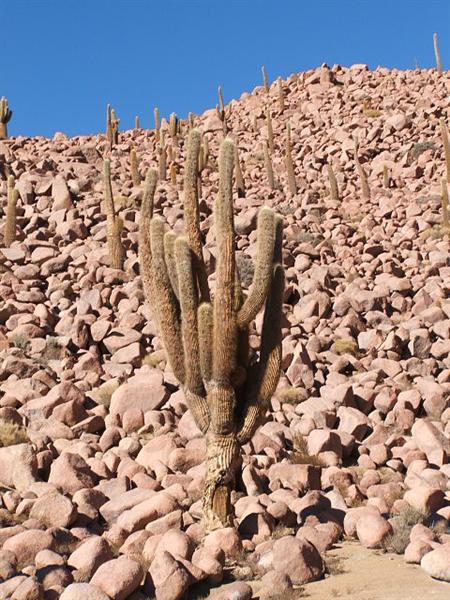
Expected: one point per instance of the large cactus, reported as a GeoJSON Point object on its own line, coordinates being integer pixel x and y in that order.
{"type": "Point", "coordinates": [207, 341]}
{"type": "Point", "coordinates": [5, 117]}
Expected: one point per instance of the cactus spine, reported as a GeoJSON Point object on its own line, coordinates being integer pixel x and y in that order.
{"type": "Point", "coordinates": [289, 163]}
{"type": "Point", "coordinates": [362, 173]}
{"type": "Point", "coordinates": [436, 54]}
{"type": "Point", "coordinates": [134, 166]}
{"type": "Point", "coordinates": [334, 190]}
{"type": "Point", "coordinates": [114, 225]}
{"type": "Point", "coordinates": [446, 144]}
{"type": "Point", "coordinates": [5, 117]}
{"type": "Point", "coordinates": [207, 341]}
{"type": "Point", "coordinates": [10, 225]}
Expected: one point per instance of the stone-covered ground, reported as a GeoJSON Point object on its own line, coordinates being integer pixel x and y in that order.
{"type": "Point", "coordinates": [102, 466]}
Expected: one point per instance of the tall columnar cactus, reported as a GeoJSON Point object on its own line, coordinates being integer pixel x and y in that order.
{"type": "Point", "coordinates": [114, 224]}
{"type": "Point", "coordinates": [174, 127]}
{"type": "Point", "coordinates": [280, 94]}
{"type": "Point", "coordinates": [446, 144]}
{"type": "Point", "coordinates": [265, 81]}
{"type": "Point", "coordinates": [112, 127]}
{"type": "Point", "coordinates": [386, 177]}
{"type": "Point", "coordinates": [289, 162]}
{"type": "Point", "coordinates": [10, 230]}
{"type": "Point", "coordinates": [207, 342]}
{"type": "Point", "coordinates": [444, 202]}
{"type": "Point", "coordinates": [334, 189]}
{"type": "Point", "coordinates": [134, 167]}
{"type": "Point", "coordinates": [436, 54]}
{"type": "Point", "coordinates": [269, 131]}
{"type": "Point", "coordinates": [137, 124]}
{"type": "Point", "coordinates": [365, 189]}
{"type": "Point", "coordinates": [162, 156]}
{"type": "Point", "coordinates": [269, 166]}
{"type": "Point", "coordinates": [221, 111]}
{"type": "Point", "coordinates": [157, 123]}
{"type": "Point", "coordinates": [5, 117]}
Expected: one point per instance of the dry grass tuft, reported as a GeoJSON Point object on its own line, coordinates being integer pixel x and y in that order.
{"type": "Point", "coordinates": [291, 395]}
{"type": "Point", "coordinates": [345, 346]}
{"type": "Point", "coordinates": [153, 359]}
{"type": "Point", "coordinates": [11, 434]}
{"type": "Point", "coordinates": [300, 454]}
{"type": "Point", "coordinates": [401, 529]}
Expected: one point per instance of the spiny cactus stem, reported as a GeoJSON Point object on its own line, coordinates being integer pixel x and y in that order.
{"type": "Point", "coordinates": [269, 167]}
{"type": "Point", "coordinates": [334, 190]}
{"type": "Point", "coordinates": [446, 144]}
{"type": "Point", "coordinates": [280, 94]}
{"type": "Point", "coordinates": [444, 201]}
{"type": "Point", "coordinates": [266, 83]}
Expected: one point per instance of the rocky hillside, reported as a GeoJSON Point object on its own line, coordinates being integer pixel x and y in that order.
{"type": "Point", "coordinates": [102, 466]}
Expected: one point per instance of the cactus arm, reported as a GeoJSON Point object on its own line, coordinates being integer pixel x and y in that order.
{"type": "Point", "coordinates": [263, 270]}
{"type": "Point", "coordinates": [191, 212]}
{"type": "Point", "coordinates": [263, 378]}
{"type": "Point", "coordinates": [145, 255]}
{"type": "Point", "coordinates": [205, 331]}
{"type": "Point", "coordinates": [169, 253]}
{"type": "Point", "coordinates": [165, 301]}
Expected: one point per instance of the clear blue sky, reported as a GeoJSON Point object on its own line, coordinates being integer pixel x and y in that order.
{"type": "Point", "coordinates": [62, 61]}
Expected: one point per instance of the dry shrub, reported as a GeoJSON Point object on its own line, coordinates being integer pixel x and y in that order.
{"type": "Point", "coordinates": [153, 359]}
{"type": "Point", "coordinates": [345, 346]}
{"type": "Point", "coordinates": [291, 395]}
{"type": "Point", "coordinates": [11, 434]}
{"type": "Point", "coordinates": [281, 530]}
{"type": "Point", "coordinates": [105, 391]}
{"type": "Point", "coordinates": [401, 529]}
{"type": "Point", "coordinates": [300, 454]}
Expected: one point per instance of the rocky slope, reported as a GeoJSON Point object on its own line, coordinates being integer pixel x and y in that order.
{"type": "Point", "coordinates": [102, 464]}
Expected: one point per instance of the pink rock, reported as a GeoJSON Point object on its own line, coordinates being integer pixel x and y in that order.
{"type": "Point", "coordinates": [54, 510]}
{"type": "Point", "coordinates": [416, 550]}
{"type": "Point", "coordinates": [352, 421]}
{"type": "Point", "coordinates": [157, 506]}
{"type": "Point", "coordinates": [425, 499]}
{"type": "Point", "coordinates": [144, 392]}
{"type": "Point", "coordinates": [170, 578]}
{"type": "Point", "coordinates": [239, 590]}
{"type": "Point", "coordinates": [27, 544]}
{"type": "Point", "coordinates": [18, 466]}
{"type": "Point", "coordinates": [118, 578]}
{"type": "Point", "coordinates": [372, 530]}
{"type": "Point", "coordinates": [226, 539]}
{"type": "Point", "coordinates": [437, 563]}
{"type": "Point", "coordinates": [83, 591]}
{"type": "Point", "coordinates": [89, 555]}
{"type": "Point", "coordinates": [298, 559]}
{"type": "Point", "coordinates": [70, 473]}
{"type": "Point", "coordinates": [431, 441]}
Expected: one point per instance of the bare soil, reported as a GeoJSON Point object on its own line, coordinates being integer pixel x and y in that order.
{"type": "Point", "coordinates": [359, 573]}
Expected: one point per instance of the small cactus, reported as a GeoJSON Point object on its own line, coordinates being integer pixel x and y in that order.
{"type": "Point", "coordinates": [386, 177]}
{"type": "Point", "coordinates": [174, 127]}
{"type": "Point", "coordinates": [112, 127]}
{"type": "Point", "coordinates": [173, 174]}
{"type": "Point", "coordinates": [136, 122]}
{"type": "Point", "coordinates": [114, 225]}
{"type": "Point", "coordinates": [362, 173]}
{"type": "Point", "coordinates": [436, 54]}
{"type": "Point", "coordinates": [221, 111]}
{"type": "Point", "coordinates": [5, 117]}
{"type": "Point", "coordinates": [289, 163]}
{"type": "Point", "coordinates": [10, 231]}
